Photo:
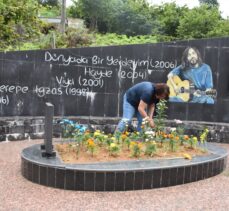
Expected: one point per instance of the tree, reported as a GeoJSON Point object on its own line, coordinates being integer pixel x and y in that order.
{"type": "Point", "coordinates": [129, 17]}
{"type": "Point", "coordinates": [209, 2]}
{"type": "Point", "coordinates": [49, 2]}
{"type": "Point", "coordinates": [92, 11]}
{"type": "Point", "coordinates": [133, 19]}
{"type": "Point", "coordinates": [74, 11]}
{"type": "Point", "coordinates": [220, 30]}
{"type": "Point", "coordinates": [198, 22]}
{"type": "Point", "coordinates": [168, 16]}
{"type": "Point", "coordinates": [18, 21]}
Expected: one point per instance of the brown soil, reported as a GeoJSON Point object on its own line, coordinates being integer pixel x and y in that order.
{"type": "Point", "coordinates": [69, 155]}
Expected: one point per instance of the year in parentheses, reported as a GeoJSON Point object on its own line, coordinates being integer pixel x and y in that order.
{"type": "Point", "coordinates": [163, 64]}
{"type": "Point", "coordinates": [4, 100]}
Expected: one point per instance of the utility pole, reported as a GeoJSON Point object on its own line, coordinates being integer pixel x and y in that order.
{"type": "Point", "coordinates": [63, 17]}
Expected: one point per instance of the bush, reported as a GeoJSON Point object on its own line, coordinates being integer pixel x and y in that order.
{"type": "Point", "coordinates": [46, 28]}
{"type": "Point", "coordinates": [77, 37]}
{"type": "Point", "coordinates": [115, 39]}
{"type": "Point", "coordinates": [18, 22]}
{"type": "Point", "coordinates": [48, 11]}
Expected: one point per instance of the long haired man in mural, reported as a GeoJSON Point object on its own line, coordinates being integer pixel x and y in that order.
{"type": "Point", "coordinates": [192, 80]}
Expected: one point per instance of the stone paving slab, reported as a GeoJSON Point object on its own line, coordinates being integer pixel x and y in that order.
{"type": "Point", "coordinates": [17, 193]}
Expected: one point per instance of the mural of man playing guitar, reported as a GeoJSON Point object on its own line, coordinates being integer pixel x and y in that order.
{"type": "Point", "coordinates": [192, 80]}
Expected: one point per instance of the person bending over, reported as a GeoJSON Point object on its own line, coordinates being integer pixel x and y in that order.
{"type": "Point", "coordinates": [140, 100]}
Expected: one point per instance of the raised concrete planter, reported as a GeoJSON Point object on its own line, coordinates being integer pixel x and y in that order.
{"type": "Point", "coordinates": [121, 176]}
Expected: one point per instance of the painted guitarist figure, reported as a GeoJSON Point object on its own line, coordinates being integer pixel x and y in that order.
{"type": "Point", "coordinates": [192, 80]}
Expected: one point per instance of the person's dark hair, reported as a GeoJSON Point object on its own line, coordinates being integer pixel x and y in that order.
{"type": "Point", "coordinates": [162, 89]}
{"type": "Point", "coordinates": [185, 64]}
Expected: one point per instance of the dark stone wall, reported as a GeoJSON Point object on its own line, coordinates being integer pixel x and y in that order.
{"type": "Point", "coordinates": [13, 129]}
{"type": "Point", "coordinates": [91, 81]}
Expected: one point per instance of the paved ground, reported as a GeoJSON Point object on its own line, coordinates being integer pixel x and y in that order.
{"type": "Point", "coordinates": [17, 193]}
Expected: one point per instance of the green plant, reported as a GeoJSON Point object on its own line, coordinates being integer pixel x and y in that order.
{"type": "Point", "coordinates": [115, 39]}
{"type": "Point", "coordinates": [204, 135]}
{"type": "Point", "coordinates": [136, 148]}
{"type": "Point", "coordinates": [146, 142]}
{"type": "Point", "coordinates": [136, 136]}
{"type": "Point", "coordinates": [160, 116]}
{"type": "Point", "coordinates": [147, 132]}
{"type": "Point", "coordinates": [184, 139]}
{"type": "Point", "coordinates": [151, 148]}
{"type": "Point", "coordinates": [161, 138]}
{"type": "Point", "coordinates": [173, 142]}
{"type": "Point", "coordinates": [114, 149]}
{"type": "Point", "coordinates": [193, 140]}
{"type": "Point", "coordinates": [77, 37]}
{"type": "Point", "coordinates": [68, 131]}
{"type": "Point", "coordinates": [49, 11]}
{"type": "Point", "coordinates": [180, 130]}
{"type": "Point", "coordinates": [99, 137]}
{"type": "Point", "coordinates": [91, 146]}
{"type": "Point", "coordinates": [75, 147]}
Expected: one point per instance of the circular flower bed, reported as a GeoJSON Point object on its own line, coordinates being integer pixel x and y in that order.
{"type": "Point", "coordinates": [82, 145]}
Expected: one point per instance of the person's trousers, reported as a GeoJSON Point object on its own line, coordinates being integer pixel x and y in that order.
{"type": "Point", "coordinates": [129, 112]}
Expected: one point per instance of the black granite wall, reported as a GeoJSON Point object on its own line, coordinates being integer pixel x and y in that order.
{"type": "Point", "coordinates": [91, 81]}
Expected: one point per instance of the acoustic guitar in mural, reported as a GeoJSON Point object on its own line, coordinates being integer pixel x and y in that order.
{"type": "Point", "coordinates": [184, 89]}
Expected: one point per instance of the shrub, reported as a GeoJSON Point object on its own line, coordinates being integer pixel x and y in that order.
{"type": "Point", "coordinates": [77, 37]}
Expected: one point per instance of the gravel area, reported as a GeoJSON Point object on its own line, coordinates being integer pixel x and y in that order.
{"type": "Point", "coordinates": [17, 193]}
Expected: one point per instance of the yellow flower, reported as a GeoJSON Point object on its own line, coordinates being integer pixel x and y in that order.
{"type": "Point", "coordinates": [97, 133]}
{"type": "Point", "coordinates": [113, 138]}
{"type": "Point", "coordinates": [90, 139]}
{"type": "Point", "coordinates": [87, 132]}
{"type": "Point", "coordinates": [112, 145]}
{"type": "Point", "coordinates": [186, 137]}
{"type": "Point", "coordinates": [91, 142]}
{"type": "Point", "coordinates": [177, 138]}
{"type": "Point", "coordinates": [165, 135]}
{"type": "Point", "coordinates": [123, 137]}
{"type": "Point", "coordinates": [195, 138]}
{"type": "Point", "coordinates": [140, 145]}
{"type": "Point", "coordinates": [132, 143]}
{"type": "Point", "coordinates": [187, 156]}
{"type": "Point", "coordinates": [171, 136]}
{"type": "Point", "coordinates": [127, 133]}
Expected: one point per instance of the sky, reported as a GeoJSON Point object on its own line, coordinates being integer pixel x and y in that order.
{"type": "Point", "coordinates": [223, 4]}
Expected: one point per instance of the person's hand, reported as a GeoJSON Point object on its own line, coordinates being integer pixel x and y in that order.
{"type": "Point", "coordinates": [151, 123]}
